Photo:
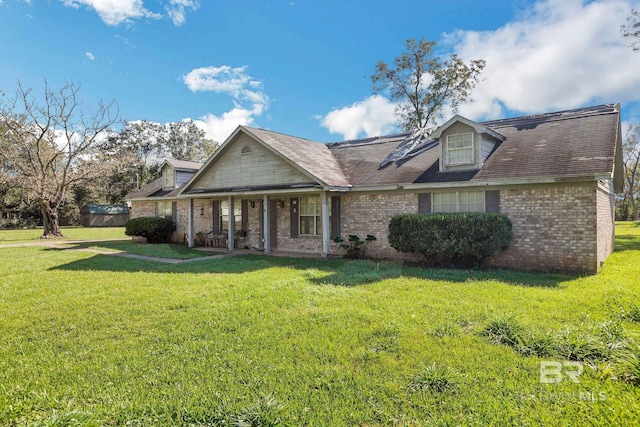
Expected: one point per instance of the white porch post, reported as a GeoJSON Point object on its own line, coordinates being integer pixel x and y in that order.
{"type": "Point", "coordinates": [190, 232]}
{"type": "Point", "coordinates": [232, 225]}
{"type": "Point", "coordinates": [326, 236]}
{"type": "Point", "coordinates": [266, 233]}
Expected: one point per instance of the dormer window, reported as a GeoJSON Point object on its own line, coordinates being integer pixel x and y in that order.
{"type": "Point", "coordinates": [167, 178]}
{"type": "Point", "coordinates": [460, 149]}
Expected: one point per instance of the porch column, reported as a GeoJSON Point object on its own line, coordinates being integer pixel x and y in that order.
{"type": "Point", "coordinates": [326, 235]}
{"type": "Point", "coordinates": [190, 232]}
{"type": "Point", "coordinates": [266, 233]}
{"type": "Point", "coordinates": [232, 225]}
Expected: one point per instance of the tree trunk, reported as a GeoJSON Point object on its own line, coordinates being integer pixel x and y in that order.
{"type": "Point", "coordinates": [50, 220]}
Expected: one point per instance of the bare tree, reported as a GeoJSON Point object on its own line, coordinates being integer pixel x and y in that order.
{"type": "Point", "coordinates": [423, 84]}
{"type": "Point", "coordinates": [49, 145]}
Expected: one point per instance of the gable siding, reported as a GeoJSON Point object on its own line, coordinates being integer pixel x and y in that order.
{"type": "Point", "coordinates": [182, 177]}
{"type": "Point", "coordinates": [258, 168]}
{"type": "Point", "coordinates": [486, 147]}
{"type": "Point", "coordinates": [452, 130]}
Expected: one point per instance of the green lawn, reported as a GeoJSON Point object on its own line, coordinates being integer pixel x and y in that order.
{"type": "Point", "coordinates": [250, 340]}
{"type": "Point", "coordinates": [71, 233]}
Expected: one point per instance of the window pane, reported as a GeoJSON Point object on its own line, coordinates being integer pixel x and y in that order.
{"type": "Point", "coordinates": [460, 148]}
{"type": "Point", "coordinates": [309, 215]}
{"type": "Point", "coordinates": [306, 225]}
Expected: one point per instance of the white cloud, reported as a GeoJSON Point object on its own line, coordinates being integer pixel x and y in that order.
{"type": "Point", "coordinates": [372, 116]}
{"type": "Point", "coordinates": [559, 54]}
{"type": "Point", "coordinates": [178, 8]}
{"type": "Point", "coordinates": [90, 55]}
{"type": "Point", "coordinates": [248, 98]}
{"type": "Point", "coordinates": [114, 12]}
{"type": "Point", "coordinates": [226, 80]}
{"type": "Point", "coordinates": [219, 128]}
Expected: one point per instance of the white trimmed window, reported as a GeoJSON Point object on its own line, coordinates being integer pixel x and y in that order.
{"type": "Point", "coordinates": [310, 221]}
{"type": "Point", "coordinates": [458, 201]}
{"type": "Point", "coordinates": [460, 149]}
{"type": "Point", "coordinates": [167, 178]}
{"type": "Point", "coordinates": [164, 209]}
{"type": "Point", "coordinates": [224, 215]}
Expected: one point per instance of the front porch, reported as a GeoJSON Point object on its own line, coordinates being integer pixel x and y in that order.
{"type": "Point", "coordinates": [295, 223]}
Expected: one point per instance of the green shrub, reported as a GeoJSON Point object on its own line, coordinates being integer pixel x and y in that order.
{"type": "Point", "coordinates": [155, 229]}
{"type": "Point", "coordinates": [458, 240]}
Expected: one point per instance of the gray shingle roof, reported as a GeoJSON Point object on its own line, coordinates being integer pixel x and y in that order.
{"type": "Point", "coordinates": [574, 143]}
{"type": "Point", "coordinates": [568, 144]}
{"type": "Point", "coordinates": [314, 157]}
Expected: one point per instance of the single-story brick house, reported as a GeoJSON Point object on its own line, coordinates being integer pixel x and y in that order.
{"type": "Point", "coordinates": [554, 175]}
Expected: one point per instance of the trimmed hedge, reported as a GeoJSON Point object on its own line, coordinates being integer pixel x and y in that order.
{"type": "Point", "coordinates": [457, 239]}
{"type": "Point", "coordinates": [155, 229]}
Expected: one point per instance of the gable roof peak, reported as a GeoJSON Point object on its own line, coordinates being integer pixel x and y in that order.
{"type": "Point", "coordinates": [478, 127]}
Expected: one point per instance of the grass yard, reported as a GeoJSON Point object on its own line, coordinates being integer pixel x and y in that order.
{"type": "Point", "coordinates": [71, 233]}
{"type": "Point", "coordinates": [251, 340]}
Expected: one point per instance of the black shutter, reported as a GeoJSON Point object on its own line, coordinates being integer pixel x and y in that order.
{"type": "Point", "coordinates": [424, 203]}
{"type": "Point", "coordinates": [216, 216]}
{"type": "Point", "coordinates": [174, 212]}
{"type": "Point", "coordinates": [335, 217]}
{"type": "Point", "coordinates": [294, 211]}
{"type": "Point", "coordinates": [492, 201]}
{"type": "Point", "coordinates": [245, 215]}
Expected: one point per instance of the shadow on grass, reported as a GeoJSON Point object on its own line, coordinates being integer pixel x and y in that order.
{"type": "Point", "coordinates": [335, 272]}
{"type": "Point", "coordinates": [163, 250]}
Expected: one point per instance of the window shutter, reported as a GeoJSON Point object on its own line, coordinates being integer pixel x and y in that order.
{"type": "Point", "coordinates": [335, 217]}
{"type": "Point", "coordinates": [245, 215]}
{"type": "Point", "coordinates": [174, 212]}
{"type": "Point", "coordinates": [424, 203]}
{"type": "Point", "coordinates": [294, 211]}
{"type": "Point", "coordinates": [492, 201]}
{"type": "Point", "coordinates": [216, 216]}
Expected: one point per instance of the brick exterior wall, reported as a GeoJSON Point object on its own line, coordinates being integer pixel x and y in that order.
{"type": "Point", "coordinates": [254, 226]}
{"type": "Point", "coordinates": [565, 228]}
{"type": "Point", "coordinates": [182, 222]}
{"type": "Point", "coordinates": [202, 216]}
{"type": "Point", "coordinates": [363, 214]}
{"type": "Point", "coordinates": [303, 244]}
{"type": "Point", "coordinates": [554, 229]}
{"type": "Point", "coordinates": [605, 201]}
{"type": "Point", "coordinates": [139, 209]}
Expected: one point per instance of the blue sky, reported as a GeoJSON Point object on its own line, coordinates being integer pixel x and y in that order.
{"type": "Point", "coordinates": [302, 67]}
